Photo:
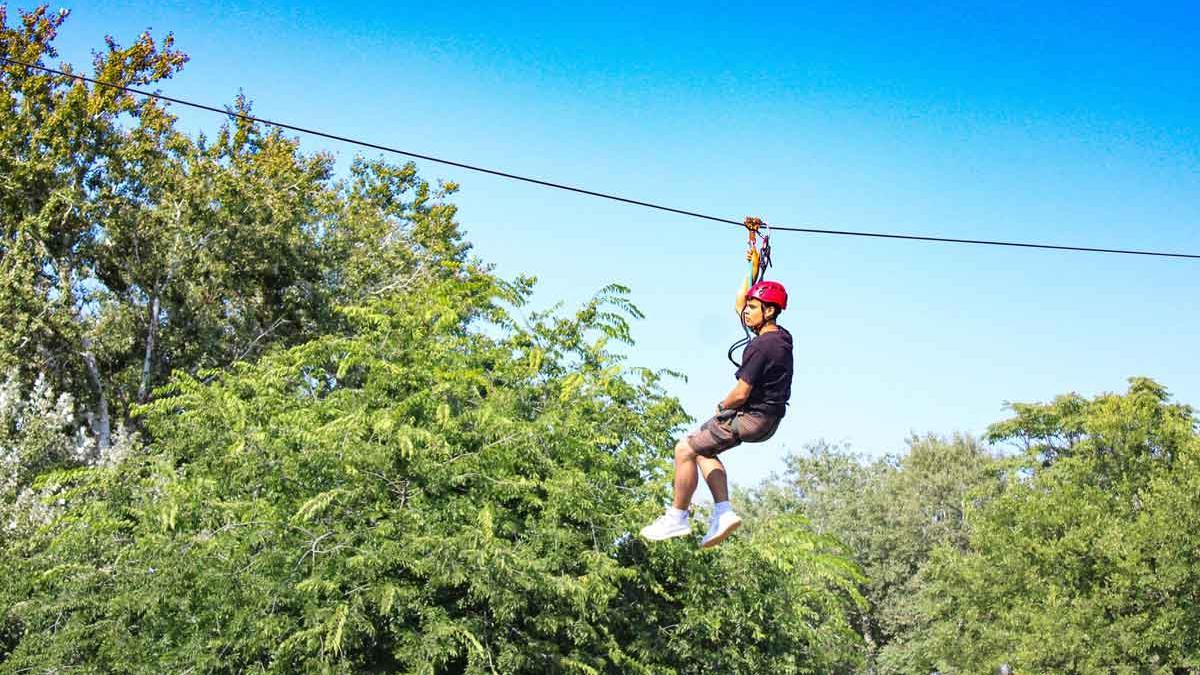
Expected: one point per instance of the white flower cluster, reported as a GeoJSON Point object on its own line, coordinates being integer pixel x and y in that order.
{"type": "Point", "coordinates": [37, 433]}
{"type": "Point", "coordinates": [30, 510]}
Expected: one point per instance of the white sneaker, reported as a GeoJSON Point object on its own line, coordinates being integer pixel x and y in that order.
{"type": "Point", "coordinates": [720, 527]}
{"type": "Point", "coordinates": [666, 527]}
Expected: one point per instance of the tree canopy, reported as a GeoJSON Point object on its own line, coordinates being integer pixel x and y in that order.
{"type": "Point", "coordinates": [264, 414]}
{"type": "Point", "coordinates": [1086, 562]}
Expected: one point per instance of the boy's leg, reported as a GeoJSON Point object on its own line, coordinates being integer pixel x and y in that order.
{"type": "Point", "coordinates": [674, 523]}
{"type": "Point", "coordinates": [724, 520]}
{"type": "Point", "coordinates": [713, 437]}
{"type": "Point", "coordinates": [714, 474]}
{"type": "Point", "coordinates": [685, 474]}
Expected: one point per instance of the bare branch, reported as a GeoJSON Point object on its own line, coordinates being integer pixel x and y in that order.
{"type": "Point", "coordinates": [255, 341]}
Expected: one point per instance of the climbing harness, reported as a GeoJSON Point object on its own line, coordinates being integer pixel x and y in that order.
{"type": "Point", "coordinates": [734, 417]}
{"type": "Point", "coordinates": [759, 257]}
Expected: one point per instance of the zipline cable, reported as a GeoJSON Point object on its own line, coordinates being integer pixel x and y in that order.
{"type": "Point", "coordinates": [579, 190]}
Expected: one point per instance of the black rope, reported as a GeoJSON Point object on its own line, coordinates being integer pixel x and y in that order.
{"type": "Point", "coordinates": [740, 343]}
{"type": "Point", "coordinates": [593, 193]}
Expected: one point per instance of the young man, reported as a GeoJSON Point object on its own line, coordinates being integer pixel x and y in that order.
{"type": "Point", "coordinates": [749, 413]}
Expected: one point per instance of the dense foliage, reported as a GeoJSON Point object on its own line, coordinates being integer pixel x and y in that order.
{"type": "Point", "coordinates": [257, 417]}
{"type": "Point", "coordinates": [1073, 554]}
{"type": "Point", "coordinates": [891, 512]}
{"type": "Point", "coordinates": [1088, 562]}
{"type": "Point", "coordinates": [414, 496]}
{"type": "Point", "coordinates": [130, 250]}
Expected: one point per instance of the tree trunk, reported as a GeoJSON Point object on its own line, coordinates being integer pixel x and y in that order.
{"type": "Point", "coordinates": [151, 336]}
{"type": "Point", "coordinates": [103, 426]}
{"type": "Point", "coordinates": [101, 423]}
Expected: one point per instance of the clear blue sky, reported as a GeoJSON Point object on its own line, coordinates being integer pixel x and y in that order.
{"type": "Point", "coordinates": [1060, 123]}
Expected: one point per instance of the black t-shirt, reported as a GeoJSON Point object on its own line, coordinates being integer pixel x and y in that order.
{"type": "Point", "coordinates": [767, 368]}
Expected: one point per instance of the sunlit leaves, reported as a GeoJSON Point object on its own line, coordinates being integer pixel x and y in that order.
{"type": "Point", "coordinates": [1091, 542]}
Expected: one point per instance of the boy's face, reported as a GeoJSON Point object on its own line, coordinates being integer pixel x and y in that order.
{"type": "Point", "coordinates": [752, 313]}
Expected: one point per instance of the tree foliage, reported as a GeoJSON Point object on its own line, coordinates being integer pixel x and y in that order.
{"type": "Point", "coordinates": [131, 250]}
{"type": "Point", "coordinates": [442, 489]}
{"type": "Point", "coordinates": [1088, 561]}
{"type": "Point", "coordinates": [358, 456]}
{"type": "Point", "coordinates": [890, 513]}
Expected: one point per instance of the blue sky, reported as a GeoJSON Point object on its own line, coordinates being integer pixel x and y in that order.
{"type": "Point", "coordinates": [1061, 123]}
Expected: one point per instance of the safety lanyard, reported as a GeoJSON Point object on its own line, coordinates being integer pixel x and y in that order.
{"type": "Point", "coordinates": [759, 257]}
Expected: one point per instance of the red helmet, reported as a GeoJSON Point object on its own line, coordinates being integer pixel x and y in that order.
{"type": "Point", "coordinates": [771, 292]}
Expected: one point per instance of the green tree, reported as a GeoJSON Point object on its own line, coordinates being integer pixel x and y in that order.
{"type": "Point", "coordinates": [130, 250]}
{"type": "Point", "coordinates": [361, 461]}
{"type": "Point", "coordinates": [1088, 562]}
{"type": "Point", "coordinates": [59, 149]}
{"type": "Point", "coordinates": [890, 513]}
{"type": "Point", "coordinates": [441, 490]}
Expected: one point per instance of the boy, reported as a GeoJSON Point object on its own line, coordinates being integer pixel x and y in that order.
{"type": "Point", "coordinates": [749, 413]}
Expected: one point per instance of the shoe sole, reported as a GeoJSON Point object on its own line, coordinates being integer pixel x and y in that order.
{"type": "Point", "coordinates": [674, 535]}
{"type": "Point", "coordinates": [721, 536]}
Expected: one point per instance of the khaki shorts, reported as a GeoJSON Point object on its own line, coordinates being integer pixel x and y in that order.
{"type": "Point", "coordinates": [717, 434]}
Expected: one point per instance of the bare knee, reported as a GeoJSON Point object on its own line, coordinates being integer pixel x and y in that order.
{"type": "Point", "coordinates": [710, 464]}
{"type": "Point", "coordinates": [684, 451]}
